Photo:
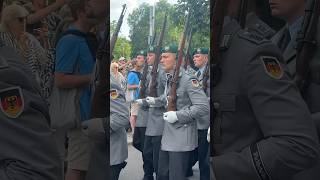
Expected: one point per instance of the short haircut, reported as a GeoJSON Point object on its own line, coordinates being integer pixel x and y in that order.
{"type": "Point", "coordinates": [76, 6]}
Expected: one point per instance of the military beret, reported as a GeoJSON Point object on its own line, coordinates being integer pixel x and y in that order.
{"type": "Point", "coordinates": [200, 51]}
{"type": "Point", "coordinates": [152, 49]}
{"type": "Point", "coordinates": [141, 53]}
{"type": "Point", "coordinates": [170, 49]}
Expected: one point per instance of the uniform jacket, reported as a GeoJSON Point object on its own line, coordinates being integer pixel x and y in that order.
{"type": "Point", "coordinates": [143, 110]}
{"type": "Point", "coordinates": [191, 103]}
{"type": "Point", "coordinates": [263, 129]}
{"type": "Point", "coordinates": [28, 149]}
{"type": "Point", "coordinates": [311, 94]}
{"type": "Point", "coordinates": [155, 123]}
{"type": "Point", "coordinates": [204, 121]}
{"type": "Point", "coordinates": [119, 120]}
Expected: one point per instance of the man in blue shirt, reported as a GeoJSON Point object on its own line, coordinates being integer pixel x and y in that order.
{"type": "Point", "coordinates": [74, 65]}
{"type": "Point", "coordinates": [133, 85]}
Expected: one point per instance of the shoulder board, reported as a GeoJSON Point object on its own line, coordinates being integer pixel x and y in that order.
{"type": "Point", "coordinates": [264, 30]}
{"type": "Point", "coordinates": [252, 36]}
{"type": "Point", "coordinates": [3, 63]}
{"type": "Point", "coordinates": [191, 72]}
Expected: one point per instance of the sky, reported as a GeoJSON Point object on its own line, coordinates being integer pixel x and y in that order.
{"type": "Point", "coordinates": [116, 8]}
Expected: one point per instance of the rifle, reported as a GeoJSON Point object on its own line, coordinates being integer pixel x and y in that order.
{"type": "Point", "coordinates": [154, 73]}
{"type": "Point", "coordinates": [116, 32]}
{"type": "Point", "coordinates": [154, 38]}
{"type": "Point", "coordinates": [216, 31]}
{"type": "Point", "coordinates": [172, 99]}
{"type": "Point", "coordinates": [307, 42]}
{"type": "Point", "coordinates": [242, 13]}
{"type": "Point", "coordinates": [216, 27]}
{"type": "Point", "coordinates": [188, 57]}
{"type": "Point", "coordinates": [99, 101]}
{"type": "Point", "coordinates": [206, 76]}
{"type": "Point", "coordinates": [143, 83]}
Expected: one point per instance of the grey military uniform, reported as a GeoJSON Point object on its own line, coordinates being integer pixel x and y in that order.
{"type": "Point", "coordinates": [311, 93]}
{"type": "Point", "coordinates": [191, 103]}
{"type": "Point", "coordinates": [119, 120]}
{"type": "Point", "coordinates": [266, 129]}
{"type": "Point", "coordinates": [253, 22]}
{"type": "Point", "coordinates": [143, 110]}
{"type": "Point", "coordinates": [28, 149]}
{"type": "Point", "coordinates": [204, 121]}
{"type": "Point", "coordinates": [155, 123]}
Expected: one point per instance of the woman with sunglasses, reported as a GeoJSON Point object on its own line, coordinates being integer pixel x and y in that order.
{"type": "Point", "coordinates": [13, 33]}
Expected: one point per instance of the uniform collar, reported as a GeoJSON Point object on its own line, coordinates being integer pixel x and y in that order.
{"type": "Point", "coordinates": [295, 27]}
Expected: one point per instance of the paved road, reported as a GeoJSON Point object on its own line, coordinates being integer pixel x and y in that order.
{"type": "Point", "coordinates": [134, 171]}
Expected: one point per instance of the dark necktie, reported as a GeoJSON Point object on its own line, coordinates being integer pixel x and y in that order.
{"type": "Point", "coordinates": [285, 39]}
{"type": "Point", "coordinates": [198, 74]}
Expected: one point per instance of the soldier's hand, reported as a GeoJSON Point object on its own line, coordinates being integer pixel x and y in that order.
{"type": "Point", "coordinates": [94, 129]}
{"type": "Point", "coordinates": [139, 101]}
{"type": "Point", "coordinates": [170, 116]}
{"type": "Point", "coordinates": [151, 100]}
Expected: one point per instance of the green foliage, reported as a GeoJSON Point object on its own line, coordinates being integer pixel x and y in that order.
{"type": "Point", "coordinates": [138, 22]}
{"type": "Point", "coordinates": [122, 47]}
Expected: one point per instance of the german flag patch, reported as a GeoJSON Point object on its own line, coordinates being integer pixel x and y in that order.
{"type": "Point", "coordinates": [272, 67]}
{"type": "Point", "coordinates": [12, 102]}
{"type": "Point", "coordinates": [114, 94]}
{"type": "Point", "coordinates": [195, 83]}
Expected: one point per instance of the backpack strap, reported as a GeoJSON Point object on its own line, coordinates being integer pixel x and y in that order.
{"type": "Point", "coordinates": [90, 38]}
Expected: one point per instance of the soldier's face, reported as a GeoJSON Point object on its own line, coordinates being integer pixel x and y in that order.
{"type": "Point", "coordinates": [140, 60]}
{"type": "Point", "coordinates": [168, 61]}
{"type": "Point", "coordinates": [200, 60]}
{"type": "Point", "coordinates": [150, 58]}
{"type": "Point", "coordinates": [286, 9]}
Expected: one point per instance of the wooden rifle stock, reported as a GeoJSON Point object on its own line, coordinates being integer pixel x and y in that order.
{"type": "Point", "coordinates": [154, 73]}
{"type": "Point", "coordinates": [172, 99]}
{"type": "Point", "coordinates": [242, 13]}
{"type": "Point", "coordinates": [99, 102]}
{"type": "Point", "coordinates": [188, 58]}
{"type": "Point", "coordinates": [143, 82]}
{"type": "Point", "coordinates": [307, 42]}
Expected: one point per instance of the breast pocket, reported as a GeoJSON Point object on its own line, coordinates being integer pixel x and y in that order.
{"type": "Point", "coordinates": [224, 104]}
{"type": "Point", "coordinates": [183, 100]}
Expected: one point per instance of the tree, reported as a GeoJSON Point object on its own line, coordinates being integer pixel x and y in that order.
{"type": "Point", "coordinates": [122, 47]}
{"type": "Point", "coordinates": [138, 21]}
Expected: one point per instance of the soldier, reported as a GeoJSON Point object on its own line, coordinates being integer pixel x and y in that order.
{"type": "Point", "coordinates": [155, 121]}
{"type": "Point", "coordinates": [28, 150]}
{"type": "Point", "coordinates": [133, 81]}
{"type": "Point", "coordinates": [180, 131]}
{"type": "Point", "coordinates": [262, 128]}
{"type": "Point", "coordinates": [200, 58]}
{"type": "Point", "coordinates": [293, 13]}
{"type": "Point", "coordinates": [257, 16]}
{"type": "Point", "coordinates": [142, 119]}
{"type": "Point", "coordinates": [119, 121]}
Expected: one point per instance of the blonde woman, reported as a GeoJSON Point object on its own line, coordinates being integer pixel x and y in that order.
{"type": "Point", "coordinates": [114, 70]}
{"type": "Point", "coordinates": [13, 33]}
